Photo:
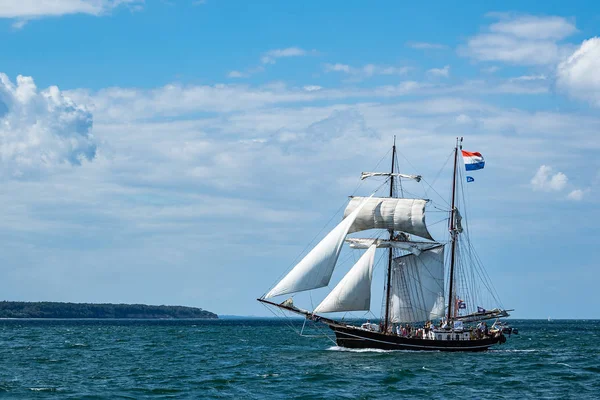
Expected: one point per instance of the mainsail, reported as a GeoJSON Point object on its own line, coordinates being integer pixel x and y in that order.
{"type": "Point", "coordinates": [406, 215]}
{"type": "Point", "coordinates": [315, 269]}
{"type": "Point", "coordinates": [417, 287]}
{"type": "Point", "coordinates": [353, 293]}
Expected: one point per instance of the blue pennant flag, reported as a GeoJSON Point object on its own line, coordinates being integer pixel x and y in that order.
{"type": "Point", "coordinates": [480, 309]}
{"type": "Point", "coordinates": [470, 179]}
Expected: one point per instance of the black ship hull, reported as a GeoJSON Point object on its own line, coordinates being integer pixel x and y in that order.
{"type": "Point", "coordinates": [358, 338]}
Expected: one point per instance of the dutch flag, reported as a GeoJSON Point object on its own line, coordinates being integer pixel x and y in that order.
{"type": "Point", "coordinates": [473, 160]}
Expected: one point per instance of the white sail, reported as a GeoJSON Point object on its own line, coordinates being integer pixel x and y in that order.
{"type": "Point", "coordinates": [353, 293]}
{"type": "Point", "coordinates": [439, 308]}
{"type": "Point", "coordinates": [414, 247]}
{"type": "Point", "coordinates": [315, 269]}
{"type": "Point", "coordinates": [365, 175]}
{"type": "Point", "coordinates": [417, 287]}
{"type": "Point", "coordinates": [406, 215]}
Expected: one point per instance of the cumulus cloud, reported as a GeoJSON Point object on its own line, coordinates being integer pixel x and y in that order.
{"type": "Point", "coordinates": [24, 10]}
{"type": "Point", "coordinates": [521, 40]}
{"type": "Point", "coordinates": [545, 180]}
{"type": "Point", "coordinates": [578, 75]}
{"type": "Point", "coordinates": [41, 130]}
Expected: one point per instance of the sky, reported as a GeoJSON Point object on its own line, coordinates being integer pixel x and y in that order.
{"type": "Point", "coordinates": [187, 152]}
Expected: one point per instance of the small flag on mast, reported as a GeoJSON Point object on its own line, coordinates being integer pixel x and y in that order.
{"type": "Point", "coordinates": [473, 160]}
{"type": "Point", "coordinates": [470, 179]}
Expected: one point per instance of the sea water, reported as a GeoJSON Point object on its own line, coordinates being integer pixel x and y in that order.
{"type": "Point", "coordinates": [267, 359]}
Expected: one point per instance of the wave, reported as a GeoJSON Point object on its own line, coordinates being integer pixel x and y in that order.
{"type": "Point", "coordinates": [338, 348]}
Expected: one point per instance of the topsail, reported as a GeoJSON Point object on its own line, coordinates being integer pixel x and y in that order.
{"type": "Point", "coordinates": [406, 215]}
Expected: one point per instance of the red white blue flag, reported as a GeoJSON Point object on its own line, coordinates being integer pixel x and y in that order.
{"type": "Point", "coordinates": [473, 160]}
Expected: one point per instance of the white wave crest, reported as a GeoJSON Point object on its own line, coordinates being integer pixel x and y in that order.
{"type": "Point", "coordinates": [338, 348]}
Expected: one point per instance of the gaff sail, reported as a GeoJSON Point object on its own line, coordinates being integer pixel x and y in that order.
{"type": "Point", "coordinates": [417, 287]}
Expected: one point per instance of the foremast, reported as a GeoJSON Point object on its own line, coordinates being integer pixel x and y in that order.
{"type": "Point", "coordinates": [391, 251]}
{"type": "Point", "coordinates": [453, 235]}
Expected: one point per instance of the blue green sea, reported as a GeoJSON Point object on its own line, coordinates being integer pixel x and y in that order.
{"type": "Point", "coordinates": [267, 359]}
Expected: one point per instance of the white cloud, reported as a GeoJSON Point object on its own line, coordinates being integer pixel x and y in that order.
{"type": "Point", "coordinates": [426, 46]}
{"type": "Point", "coordinates": [533, 27]}
{"type": "Point", "coordinates": [579, 74]}
{"type": "Point", "coordinates": [271, 56]}
{"type": "Point", "coordinates": [25, 10]}
{"type": "Point", "coordinates": [367, 70]}
{"type": "Point", "coordinates": [41, 130]}
{"type": "Point", "coordinates": [529, 78]}
{"type": "Point", "coordinates": [545, 180]}
{"type": "Point", "coordinates": [576, 195]}
{"type": "Point", "coordinates": [178, 100]}
{"type": "Point", "coordinates": [337, 68]}
{"type": "Point", "coordinates": [236, 74]}
{"type": "Point", "coordinates": [521, 40]}
{"type": "Point", "coordinates": [439, 72]}
{"type": "Point", "coordinates": [464, 119]}
{"type": "Point", "coordinates": [312, 88]}
{"type": "Point", "coordinates": [490, 70]}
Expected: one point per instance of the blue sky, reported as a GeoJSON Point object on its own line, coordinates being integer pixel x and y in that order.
{"type": "Point", "coordinates": [185, 152]}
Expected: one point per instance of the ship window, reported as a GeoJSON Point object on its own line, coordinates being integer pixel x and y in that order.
{"type": "Point", "coordinates": [448, 337]}
{"type": "Point", "coordinates": [439, 337]}
{"type": "Point", "coordinates": [457, 336]}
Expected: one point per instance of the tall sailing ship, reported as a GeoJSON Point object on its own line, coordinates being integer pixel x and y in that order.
{"type": "Point", "coordinates": [422, 310]}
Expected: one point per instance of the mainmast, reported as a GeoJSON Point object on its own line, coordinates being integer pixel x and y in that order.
{"type": "Point", "coordinates": [391, 254]}
{"type": "Point", "coordinates": [453, 234]}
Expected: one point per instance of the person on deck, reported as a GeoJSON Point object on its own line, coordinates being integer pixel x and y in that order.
{"type": "Point", "coordinates": [366, 325]}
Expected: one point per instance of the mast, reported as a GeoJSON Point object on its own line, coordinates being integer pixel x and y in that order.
{"type": "Point", "coordinates": [452, 235]}
{"type": "Point", "coordinates": [390, 254]}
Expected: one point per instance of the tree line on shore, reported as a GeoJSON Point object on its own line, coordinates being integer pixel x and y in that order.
{"type": "Point", "coordinates": [46, 309]}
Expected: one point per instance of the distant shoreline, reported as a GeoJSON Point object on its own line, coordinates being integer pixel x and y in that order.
{"type": "Point", "coordinates": [60, 310]}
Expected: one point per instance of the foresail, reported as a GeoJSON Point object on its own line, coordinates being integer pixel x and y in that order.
{"type": "Point", "coordinates": [353, 293]}
{"type": "Point", "coordinates": [315, 269]}
{"type": "Point", "coordinates": [406, 215]}
{"type": "Point", "coordinates": [417, 287]}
